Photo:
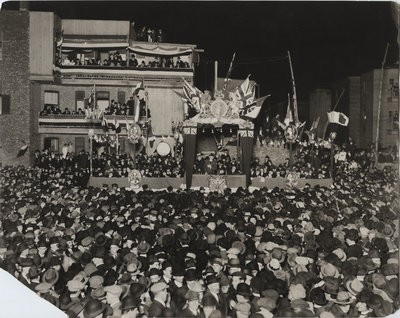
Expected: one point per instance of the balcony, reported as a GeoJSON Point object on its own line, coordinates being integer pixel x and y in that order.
{"type": "Point", "coordinates": [79, 124]}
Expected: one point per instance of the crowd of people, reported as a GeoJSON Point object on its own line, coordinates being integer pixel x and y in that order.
{"type": "Point", "coordinates": [309, 161]}
{"type": "Point", "coordinates": [115, 59]}
{"type": "Point", "coordinates": [152, 166]}
{"type": "Point", "coordinates": [49, 110]}
{"type": "Point", "coordinates": [112, 252]}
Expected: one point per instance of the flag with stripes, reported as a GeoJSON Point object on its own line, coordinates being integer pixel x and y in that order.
{"type": "Point", "coordinates": [245, 92]}
{"type": "Point", "coordinates": [253, 110]}
{"type": "Point", "coordinates": [191, 95]}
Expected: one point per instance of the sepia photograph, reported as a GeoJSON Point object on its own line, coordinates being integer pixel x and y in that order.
{"type": "Point", "coordinates": [211, 159]}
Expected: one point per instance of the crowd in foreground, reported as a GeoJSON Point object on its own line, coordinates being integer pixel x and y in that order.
{"type": "Point", "coordinates": [311, 252]}
{"type": "Point", "coordinates": [309, 161]}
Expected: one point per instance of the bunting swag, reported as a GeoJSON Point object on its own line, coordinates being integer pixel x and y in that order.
{"type": "Point", "coordinates": [189, 146]}
{"type": "Point", "coordinates": [246, 143]}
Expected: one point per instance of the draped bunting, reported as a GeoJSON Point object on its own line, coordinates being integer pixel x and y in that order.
{"type": "Point", "coordinates": [246, 143]}
{"type": "Point", "coordinates": [159, 50]}
{"type": "Point", "coordinates": [189, 144]}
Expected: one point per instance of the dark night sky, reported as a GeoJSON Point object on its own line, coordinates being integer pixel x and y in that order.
{"type": "Point", "coordinates": [327, 40]}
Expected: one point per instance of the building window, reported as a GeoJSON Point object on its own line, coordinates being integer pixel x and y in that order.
{"type": "Point", "coordinates": [4, 104]}
{"type": "Point", "coordinates": [51, 98]}
{"type": "Point", "coordinates": [52, 144]}
{"type": "Point", "coordinates": [103, 100]}
{"type": "Point", "coordinates": [79, 100]}
{"type": "Point", "coordinates": [121, 97]}
{"type": "Point", "coordinates": [79, 144]}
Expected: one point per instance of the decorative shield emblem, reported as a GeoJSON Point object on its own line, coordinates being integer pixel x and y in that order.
{"type": "Point", "coordinates": [134, 133]}
{"type": "Point", "coordinates": [134, 177]}
{"type": "Point", "coordinates": [217, 183]}
{"type": "Point", "coordinates": [219, 108]}
{"type": "Point", "coordinates": [292, 179]}
{"type": "Point", "coordinates": [163, 149]}
{"type": "Point", "coordinates": [291, 133]}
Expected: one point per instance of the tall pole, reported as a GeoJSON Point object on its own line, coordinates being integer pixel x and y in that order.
{"type": "Point", "coordinates": [296, 114]}
{"type": "Point", "coordinates": [379, 107]}
{"type": "Point", "coordinates": [331, 168]}
{"type": "Point", "coordinates": [215, 75]}
{"type": "Point", "coordinates": [91, 155]}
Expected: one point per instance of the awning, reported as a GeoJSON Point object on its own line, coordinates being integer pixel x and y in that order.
{"type": "Point", "coordinates": [160, 50]}
{"type": "Point", "coordinates": [86, 45]}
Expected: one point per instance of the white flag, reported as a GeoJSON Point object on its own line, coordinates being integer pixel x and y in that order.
{"type": "Point", "coordinates": [338, 118]}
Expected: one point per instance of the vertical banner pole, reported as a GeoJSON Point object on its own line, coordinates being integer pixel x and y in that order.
{"type": "Point", "coordinates": [379, 107]}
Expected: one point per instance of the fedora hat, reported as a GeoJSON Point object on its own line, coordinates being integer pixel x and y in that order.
{"type": "Point", "coordinates": [329, 270]}
{"type": "Point", "coordinates": [354, 286]}
{"type": "Point", "coordinates": [93, 308]}
{"type": "Point", "coordinates": [244, 289]}
{"type": "Point", "coordinates": [129, 302]}
{"type": "Point", "coordinates": [143, 247]}
{"type": "Point", "coordinates": [343, 298]}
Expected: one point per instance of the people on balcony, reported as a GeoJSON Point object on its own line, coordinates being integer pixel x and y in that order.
{"type": "Point", "coordinates": [116, 60]}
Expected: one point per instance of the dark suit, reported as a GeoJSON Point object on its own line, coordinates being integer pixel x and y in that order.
{"type": "Point", "coordinates": [222, 304]}
{"type": "Point", "coordinates": [156, 309]}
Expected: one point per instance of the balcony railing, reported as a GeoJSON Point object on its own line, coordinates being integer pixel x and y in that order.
{"type": "Point", "coordinates": [78, 123]}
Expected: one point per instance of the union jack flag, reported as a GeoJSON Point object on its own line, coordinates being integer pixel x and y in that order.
{"type": "Point", "coordinates": [245, 92]}
{"type": "Point", "coordinates": [191, 95]}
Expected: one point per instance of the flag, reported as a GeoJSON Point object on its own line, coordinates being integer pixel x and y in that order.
{"type": "Point", "coordinates": [229, 72]}
{"type": "Point", "coordinates": [22, 151]}
{"type": "Point", "coordinates": [251, 111]}
{"type": "Point", "coordinates": [289, 114]}
{"type": "Point", "coordinates": [245, 92]}
{"type": "Point", "coordinates": [92, 93]}
{"type": "Point", "coordinates": [338, 118]}
{"type": "Point", "coordinates": [104, 123]}
{"type": "Point", "coordinates": [314, 125]}
{"type": "Point", "coordinates": [116, 126]}
{"type": "Point", "coordinates": [138, 87]}
{"type": "Point", "coordinates": [60, 38]}
{"type": "Point", "coordinates": [191, 95]}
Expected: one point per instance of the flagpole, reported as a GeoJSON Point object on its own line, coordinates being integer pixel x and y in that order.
{"type": "Point", "coordinates": [296, 115]}
{"type": "Point", "coordinates": [94, 97]}
{"type": "Point", "coordinates": [215, 75]}
{"type": "Point", "coordinates": [91, 155]}
{"type": "Point", "coordinates": [379, 106]}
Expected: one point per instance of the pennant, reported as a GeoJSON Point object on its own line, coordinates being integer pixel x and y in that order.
{"type": "Point", "coordinates": [226, 80]}
{"type": "Point", "coordinates": [253, 110]}
{"type": "Point", "coordinates": [22, 151]}
{"type": "Point", "coordinates": [338, 118]}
